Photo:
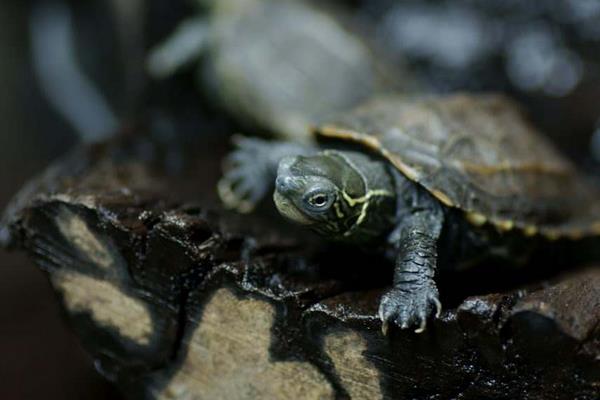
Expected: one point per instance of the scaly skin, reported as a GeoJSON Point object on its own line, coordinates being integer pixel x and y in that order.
{"type": "Point", "coordinates": [362, 201]}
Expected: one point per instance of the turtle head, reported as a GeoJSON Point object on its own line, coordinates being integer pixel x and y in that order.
{"type": "Point", "coordinates": [324, 192]}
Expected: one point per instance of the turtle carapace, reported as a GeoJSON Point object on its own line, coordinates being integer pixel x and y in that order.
{"type": "Point", "coordinates": [416, 176]}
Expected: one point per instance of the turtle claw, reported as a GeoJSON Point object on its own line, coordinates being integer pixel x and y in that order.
{"type": "Point", "coordinates": [438, 306]}
{"type": "Point", "coordinates": [384, 327]}
{"type": "Point", "coordinates": [421, 327]}
{"type": "Point", "coordinates": [247, 177]}
{"type": "Point", "coordinates": [409, 307]}
{"type": "Point", "coordinates": [230, 198]}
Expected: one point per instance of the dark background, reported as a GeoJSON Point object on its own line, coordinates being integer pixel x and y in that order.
{"type": "Point", "coordinates": [40, 358]}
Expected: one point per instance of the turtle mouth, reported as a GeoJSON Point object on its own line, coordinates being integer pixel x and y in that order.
{"type": "Point", "coordinates": [290, 211]}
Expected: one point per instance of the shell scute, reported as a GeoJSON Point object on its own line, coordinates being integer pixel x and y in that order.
{"type": "Point", "coordinates": [477, 153]}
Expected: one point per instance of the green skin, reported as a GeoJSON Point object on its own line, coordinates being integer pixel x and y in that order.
{"type": "Point", "coordinates": [352, 197]}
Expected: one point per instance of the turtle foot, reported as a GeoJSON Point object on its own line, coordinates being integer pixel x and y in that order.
{"type": "Point", "coordinates": [407, 307]}
{"type": "Point", "coordinates": [247, 176]}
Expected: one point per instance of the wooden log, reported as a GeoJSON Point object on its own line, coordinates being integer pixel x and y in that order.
{"type": "Point", "coordinates": [176, 302]}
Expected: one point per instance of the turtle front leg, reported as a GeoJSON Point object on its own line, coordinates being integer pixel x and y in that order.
{"type": "Point", "coordinates": [250, 170]}
{"type": "Point", "coordinates": [414, 294]}
{"type": "Point", "coordinates": [183, 47]}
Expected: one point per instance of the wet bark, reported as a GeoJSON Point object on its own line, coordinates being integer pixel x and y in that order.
{"type": "Point", "coordinates": [174, 300]}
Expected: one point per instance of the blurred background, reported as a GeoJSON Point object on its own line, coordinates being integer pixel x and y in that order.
{"type": "Point", "coordinates": [73, 71]}
{"type": "Point", "coordinates": [41, 359]}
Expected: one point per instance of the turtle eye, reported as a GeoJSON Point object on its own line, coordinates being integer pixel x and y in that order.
{"type": "Point", "coordinates": [318, 201]}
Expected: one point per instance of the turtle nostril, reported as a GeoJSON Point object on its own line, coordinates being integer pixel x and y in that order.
{"type": "Point", "coordinates": [279, 183]}
{"type": "Point", "coordinates": [285, 184]}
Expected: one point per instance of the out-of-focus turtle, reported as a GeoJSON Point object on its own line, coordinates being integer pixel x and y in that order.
{"type": "Point", "coordinates": [431, 180]}
{"type": "Point", "coordinates": [279, 65]}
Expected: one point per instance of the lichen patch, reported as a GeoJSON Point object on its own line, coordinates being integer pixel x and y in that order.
{"type": "Point", "coordinates": [106, 304]}
{"type": "Point", "coordinates": [77, 232]}
{"type": "Point", "coordinates": [356, 373]}
{"type": "Point", "coordinates": [228, 358]}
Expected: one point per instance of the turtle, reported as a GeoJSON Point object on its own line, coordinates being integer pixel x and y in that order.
{"type": "Point", "coordinates": [431, 180]}
{"type": "Point", "coordinates": [278, 65]}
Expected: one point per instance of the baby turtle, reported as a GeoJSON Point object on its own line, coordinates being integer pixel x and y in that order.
{"type": "Point", "coordinates": [277, 65]}
{"type": "Point", "coordinates": [430, 180]}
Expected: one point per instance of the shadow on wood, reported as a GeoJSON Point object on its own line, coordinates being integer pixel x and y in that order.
{"type": "Point", "coordinates": [175, 301]}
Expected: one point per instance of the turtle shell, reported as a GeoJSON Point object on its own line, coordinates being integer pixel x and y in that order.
{"type": "Point", "coordinates": [282, 65]}
{"type": "Point", "coordinates": [479, 154]}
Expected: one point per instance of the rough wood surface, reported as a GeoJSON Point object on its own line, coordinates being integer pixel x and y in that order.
{"type": "Point", "coordinates": [177, 302]}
